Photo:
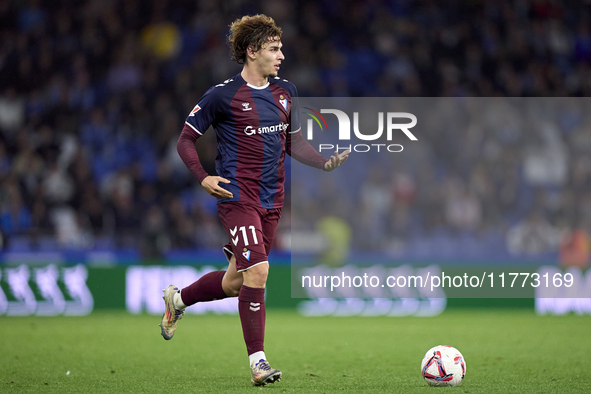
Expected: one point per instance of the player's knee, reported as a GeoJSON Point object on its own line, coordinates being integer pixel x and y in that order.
{"type": "Point", "coordinates": [232, 292]}
{"type": "Point", "coordinates": [256, 276]}
{"type": "Point", "coordinates": [232, 287]}
{"type": "Point", "coordinates": [231, 283]}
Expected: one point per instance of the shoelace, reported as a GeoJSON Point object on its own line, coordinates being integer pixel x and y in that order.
{"type": "Point", "coordinates": [263, 365]}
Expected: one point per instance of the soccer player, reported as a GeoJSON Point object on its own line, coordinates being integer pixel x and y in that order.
{"type": "Point", "coordinates": [256, 121]}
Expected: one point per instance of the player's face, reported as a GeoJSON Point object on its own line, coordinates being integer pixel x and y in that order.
{"type": "Point", "coordinates": [269, 57]}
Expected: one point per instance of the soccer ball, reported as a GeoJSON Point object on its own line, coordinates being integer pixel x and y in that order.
{"type": "Point", "coordinates": [443, 366]}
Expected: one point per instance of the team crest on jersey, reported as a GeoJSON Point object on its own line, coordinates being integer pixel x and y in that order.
{"type": "Point", "coordinates": [246, 254]}
{"type": "Point", "coordinates": [195, 110]}
{"type": "Point", "coordinates": [246, 107]}
{"type": "Point", "coordinates": [283, 102]}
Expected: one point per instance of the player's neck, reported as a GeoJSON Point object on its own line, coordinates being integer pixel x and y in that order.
{"type": "Point", "coordinates": [252, 77]}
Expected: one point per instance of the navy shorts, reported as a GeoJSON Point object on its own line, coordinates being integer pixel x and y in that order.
{"type": "Point", "coordinates": [251, 230]}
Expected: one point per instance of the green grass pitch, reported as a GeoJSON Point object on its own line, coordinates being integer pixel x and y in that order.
{"type": "Point", "coordinates": [506, 351]}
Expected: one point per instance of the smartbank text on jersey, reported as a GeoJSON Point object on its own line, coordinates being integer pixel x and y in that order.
{"type": "Point", "coordinates": [249, 130]}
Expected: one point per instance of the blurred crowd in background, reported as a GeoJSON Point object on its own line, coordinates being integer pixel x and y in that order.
{"type": "Point", "coordinates": [93, 95]}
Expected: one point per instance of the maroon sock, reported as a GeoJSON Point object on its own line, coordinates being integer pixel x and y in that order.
{"type": "Point", "coordinates": [207, 288]}
{"type": "Point", "coordinates": [251, 307]}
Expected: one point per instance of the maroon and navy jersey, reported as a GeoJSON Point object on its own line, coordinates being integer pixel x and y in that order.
{"type": "Point", "coordinates": [251, 125]}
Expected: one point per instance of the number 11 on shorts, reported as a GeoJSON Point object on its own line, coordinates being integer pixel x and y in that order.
{"type": "Point", "coordinates": [244, 235]}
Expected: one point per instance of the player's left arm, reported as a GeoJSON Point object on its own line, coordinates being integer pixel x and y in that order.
{"type": "Point", "coordinates": [301, 150]}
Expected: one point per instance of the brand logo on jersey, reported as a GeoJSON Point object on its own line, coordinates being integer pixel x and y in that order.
{"type": "Point", "coordinates": [233, 232]}
{"type": "Point", "coordinates": [224, 83]}
{"type": "Point", "coordinates": [249, 130]}
{"type": "Point", "coordinates": [246, 107]}
{"type": "Point", "coordinates": [283, 102]}
{"type": "Point", "coordinates": [195, 110]}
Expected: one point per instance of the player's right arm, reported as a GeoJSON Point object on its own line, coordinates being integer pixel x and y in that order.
{"type": "Point", "coordinates": [211, 184]}
{"type": "Point", "coordinates": [198, 121]}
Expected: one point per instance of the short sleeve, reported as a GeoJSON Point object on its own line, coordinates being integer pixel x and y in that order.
{"type": "Point", "coordinates": [204, 112]}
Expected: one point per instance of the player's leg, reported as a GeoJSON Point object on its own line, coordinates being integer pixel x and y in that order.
{"type": "Point", "coordinates": [251, 306]}
{"type": "Point", "coordinates": [256, 276]}
{"type": "Point", "coordinates": [243, 223]}
{"type": "Point", "coordinates": [206, 288]}
{"type": "Point", "coordinates": [251, 302]}
{"type": "Point", "coordinates": [214, 285]}
{"type": "Point", "coordinates": [232, 281]}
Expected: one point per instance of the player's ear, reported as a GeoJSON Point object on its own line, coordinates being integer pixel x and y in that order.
{"type": "Point", "coordinates": [251, 53]}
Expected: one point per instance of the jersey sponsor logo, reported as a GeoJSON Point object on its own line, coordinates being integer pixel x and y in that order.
{"type": "Point", "coordinates": [246, 107]}
{"type": "Point", "coordinates": [249, 130]}
{"type": "Point", "coordinates": [195, 110]}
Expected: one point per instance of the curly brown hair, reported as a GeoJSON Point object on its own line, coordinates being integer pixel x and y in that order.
{"type": "Point", "coordinates": [251, 31]}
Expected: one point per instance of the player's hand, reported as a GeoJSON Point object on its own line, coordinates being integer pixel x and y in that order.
{"type": "Point", "coordinates": [211, 185]}
{"type": "Point", "coordinates": [336, 160]}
